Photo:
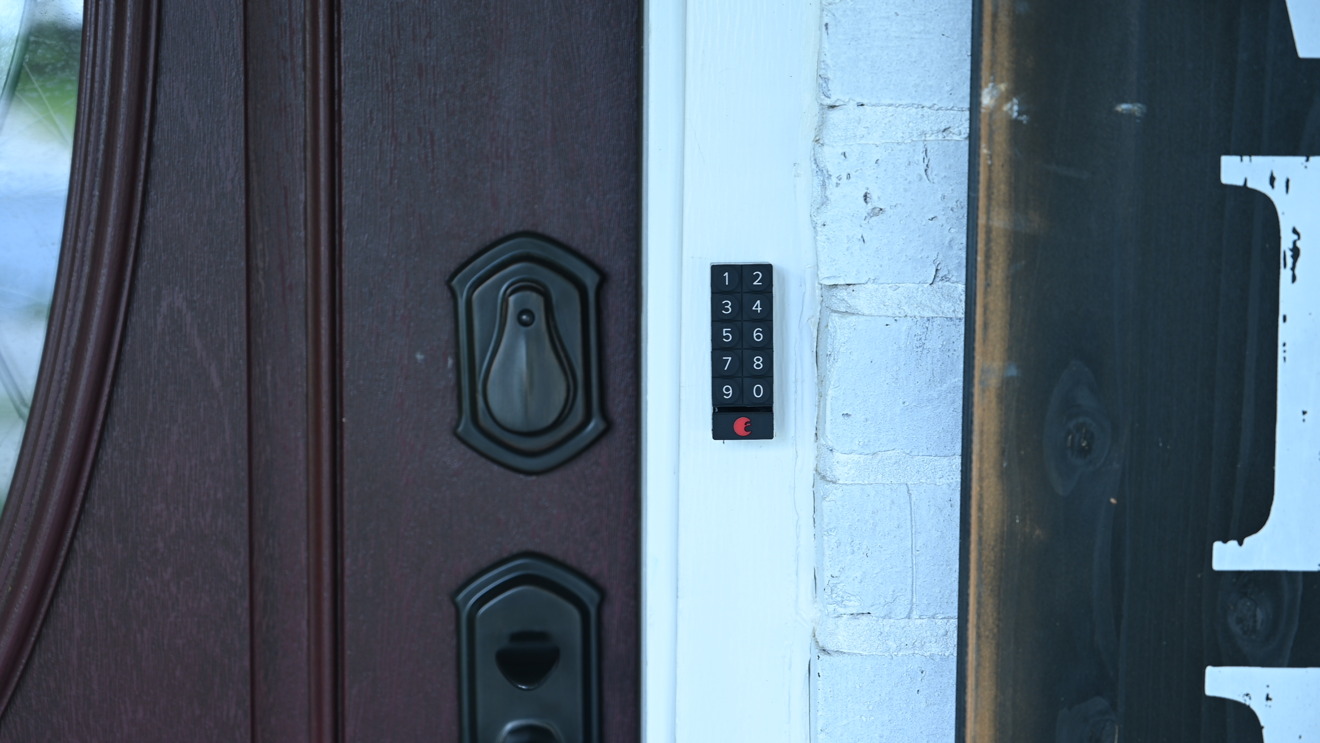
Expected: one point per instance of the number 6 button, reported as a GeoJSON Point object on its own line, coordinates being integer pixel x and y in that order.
{"type": "Point", "coordinates": [756, 334]}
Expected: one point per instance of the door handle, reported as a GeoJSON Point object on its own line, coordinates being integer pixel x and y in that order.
{"type": "Point", "coordinates": [528, 654]}
{"type": "Point", "coordinates": [528, 353]}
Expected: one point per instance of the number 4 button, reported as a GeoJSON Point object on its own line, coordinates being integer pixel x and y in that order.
{"type": "Point", "coordinates": [756, 306]}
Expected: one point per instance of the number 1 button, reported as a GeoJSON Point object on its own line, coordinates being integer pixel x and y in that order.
{"type": "Point", "coordinates": [725, 277]}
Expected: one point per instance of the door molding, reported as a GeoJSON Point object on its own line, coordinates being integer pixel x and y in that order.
{"type": "Point", "coordinates": [116, 86]}
{"type": "Point", "coordinates": [325, 563]}
{"type": "Point", "coordinates": [730, 111]}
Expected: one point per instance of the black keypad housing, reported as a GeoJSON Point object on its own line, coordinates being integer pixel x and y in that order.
{"type": "Point", "coordinates": [742, 350]}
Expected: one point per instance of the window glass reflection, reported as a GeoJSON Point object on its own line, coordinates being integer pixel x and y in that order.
{"type": "Point", "coordinates": [39, 55]}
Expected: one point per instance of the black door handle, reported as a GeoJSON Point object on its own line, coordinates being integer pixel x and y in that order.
{"type": "Point", "coordinates": [528, 654]}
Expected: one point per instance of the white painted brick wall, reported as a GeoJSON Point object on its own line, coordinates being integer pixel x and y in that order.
{"type": "Point", "coordinates": [890, 216]}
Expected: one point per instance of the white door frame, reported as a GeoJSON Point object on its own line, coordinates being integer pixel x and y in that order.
{"type": "Point", "coordinates": [730, 112]}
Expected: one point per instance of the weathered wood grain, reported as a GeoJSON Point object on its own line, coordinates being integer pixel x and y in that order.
{"type": "Point", "coordinates": [1122, 377]}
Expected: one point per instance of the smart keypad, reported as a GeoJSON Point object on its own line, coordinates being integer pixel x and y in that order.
{"type": "Point", "coordinates": [742, 355]}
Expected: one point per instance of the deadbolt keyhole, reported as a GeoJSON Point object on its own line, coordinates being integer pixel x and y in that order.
{"type": "Point", "coordinates": [528, 658]}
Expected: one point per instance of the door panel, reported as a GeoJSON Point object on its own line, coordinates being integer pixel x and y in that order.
{"type": "Point", "coordinates": [277, 173]}
{"type": "Point", "coordinates": [279, 513]}
{"type": "Point", "coordinates": [464, 123]}
{"type": "Point", "coordinates": [147, 634]}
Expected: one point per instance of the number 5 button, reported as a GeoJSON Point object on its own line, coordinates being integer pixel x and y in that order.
{"type": "Point", "coordinates": [725, 335]}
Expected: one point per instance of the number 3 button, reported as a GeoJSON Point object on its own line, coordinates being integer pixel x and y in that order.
{"type": "Point", "coordinates": [724, 307]}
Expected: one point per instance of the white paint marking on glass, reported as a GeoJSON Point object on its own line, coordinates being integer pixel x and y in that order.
{"type": "Point", "coordinates": [1284, 699]}
{"type": "Point", "coordinates": [1287, 541]}
{"type": "Point", "coordinates": [1305, 17]}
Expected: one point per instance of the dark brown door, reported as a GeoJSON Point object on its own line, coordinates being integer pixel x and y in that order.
{"type": "Point", "coordinates": [266, 528]}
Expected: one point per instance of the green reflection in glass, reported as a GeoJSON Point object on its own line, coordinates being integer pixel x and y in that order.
{"type": "Point", "coordinates": [39, 56]}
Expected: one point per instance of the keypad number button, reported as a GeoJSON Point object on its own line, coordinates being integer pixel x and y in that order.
{"type": "Point", "coordinates": [757, 391]}
{"type": "Point", "coordinates": [726, 335]}
{"type": "Point", "coordinates": [757, 363]}
{"type": "Point", "coordinates": [756, 306]}
{"type": "Point", "coordinates": [726, 392]}
{"type": "Point", "coordinates": [757, 277]}
{"type": "Point", "coordinates": [725, 363]}
{"type": "Point", "coordinates": [724, 308]}
{"type": "Point", "coordinates": [756, 334]}
{"type": "Point", "coordinates": [725, 278]}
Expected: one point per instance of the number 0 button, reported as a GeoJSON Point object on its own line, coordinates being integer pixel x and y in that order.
{"type": "Point", "coordinates": [757, 391]}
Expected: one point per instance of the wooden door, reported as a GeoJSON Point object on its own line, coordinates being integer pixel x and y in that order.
{"type": "Point", "coordinates": [1122, 381]}
{"type": "Point", "coordinates": [242, 511]}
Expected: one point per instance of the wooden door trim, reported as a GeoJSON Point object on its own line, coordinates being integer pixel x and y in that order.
{"type": "Point", "coordinates": [324, 370]}
{"type": "Point", "coordinates": [116, 87]}
{"type": "Point", "coordinates": [662, 242]}
{"type": "Point", "coordinates": [730, 113]}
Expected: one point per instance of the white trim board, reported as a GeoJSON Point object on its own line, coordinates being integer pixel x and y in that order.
{"type": "Point", "coordinates": [728, 552]}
